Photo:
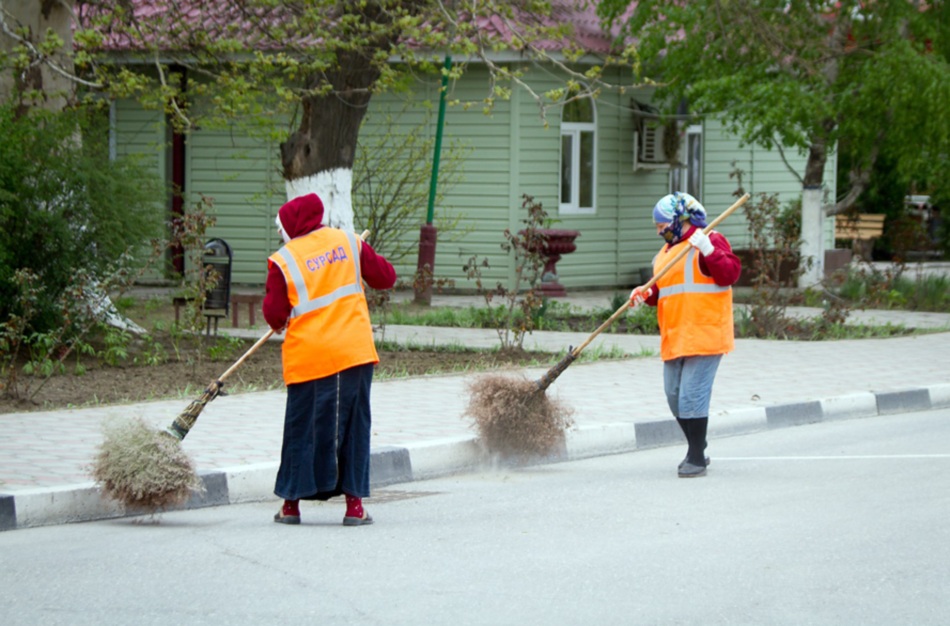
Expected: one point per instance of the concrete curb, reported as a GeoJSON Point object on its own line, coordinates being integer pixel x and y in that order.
{"type": "Point", "coordinates": [401, 464]}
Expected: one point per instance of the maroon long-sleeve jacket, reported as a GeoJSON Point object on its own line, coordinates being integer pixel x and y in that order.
{"type": "Point", "coordinates": [722, 265]}
{"type": "Point", "coordinates": [301, 216]}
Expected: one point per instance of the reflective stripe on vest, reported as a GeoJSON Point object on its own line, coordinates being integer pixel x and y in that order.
{"type": "Point", "coordinates": [329, 329]}
{"type": "Point", "coordinates": [305, 304]}
{"type": "Point", "coordinates": [694, 314]}
{"type": "Point", "coordinates": [689, 284]}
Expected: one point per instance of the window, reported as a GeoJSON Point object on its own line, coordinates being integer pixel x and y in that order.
{"type": "Point", "coordinates": [689, 177]}
{"type": "Point", "coordinates": [578, 156]}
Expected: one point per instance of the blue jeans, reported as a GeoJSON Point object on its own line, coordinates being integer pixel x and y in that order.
{"type": "Point", "coordinates": [688, 383]}
{"type": "Point", "coordinates": [327, 427]}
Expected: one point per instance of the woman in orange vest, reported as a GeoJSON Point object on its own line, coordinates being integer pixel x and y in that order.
{"type": "Point", "coordinates": [315, 292]}
{"type": "Point", "coordinates": [694, 311]}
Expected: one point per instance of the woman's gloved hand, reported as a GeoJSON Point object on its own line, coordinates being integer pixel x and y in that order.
{"type": "Point", "coordinates": [639, 295]}
{"type": "Point", "coordinates": [701, 242]}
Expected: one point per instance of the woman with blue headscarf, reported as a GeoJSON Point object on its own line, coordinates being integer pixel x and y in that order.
{"type": "Point", "coordinates": [694, 311]}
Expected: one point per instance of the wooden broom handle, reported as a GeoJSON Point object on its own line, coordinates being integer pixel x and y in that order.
{"type": "Point", "coordinates": [260, 341]}
{"type": "Point", "coordinates": [679, 255]}
{"type": "Point", "coordinates": [243, 358]}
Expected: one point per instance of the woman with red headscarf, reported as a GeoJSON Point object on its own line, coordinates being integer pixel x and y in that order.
{"type": "Point", "coordinates": [315, 292]}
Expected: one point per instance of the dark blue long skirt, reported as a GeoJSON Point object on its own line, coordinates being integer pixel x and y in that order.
{"type": "Point", "coordinates": [326, 437]}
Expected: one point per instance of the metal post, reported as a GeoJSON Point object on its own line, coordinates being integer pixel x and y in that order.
{"type": "Point", "coordinates": [425, 268]}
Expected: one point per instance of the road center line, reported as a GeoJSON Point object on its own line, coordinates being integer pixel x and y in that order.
{"type": "Point", "coordinates": [833, 458]}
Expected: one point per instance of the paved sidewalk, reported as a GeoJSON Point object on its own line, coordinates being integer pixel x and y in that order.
{"type": "Point", "coordinates": [419, 431]}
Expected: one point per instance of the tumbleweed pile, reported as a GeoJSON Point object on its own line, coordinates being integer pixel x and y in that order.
{"type": "Point", "coordinates": [143, 467]}
{"type": "Point", "coordinates": [516, 419]}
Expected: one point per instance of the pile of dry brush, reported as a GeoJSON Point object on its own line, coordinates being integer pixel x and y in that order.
{"type": "Point", "coordinates": [515, 419]}
{"type": "Point", "coordinates": [143, 467]}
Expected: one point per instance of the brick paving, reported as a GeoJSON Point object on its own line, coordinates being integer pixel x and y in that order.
{"type": "Point", "coordinates": [54, 449]}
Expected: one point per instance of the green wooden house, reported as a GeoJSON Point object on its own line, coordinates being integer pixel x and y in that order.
{"type": "Point", "coordinates": [598, 167]}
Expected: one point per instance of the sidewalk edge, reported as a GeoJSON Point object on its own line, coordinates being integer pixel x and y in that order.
{"type": "Point", "coordinates": [44, 506]}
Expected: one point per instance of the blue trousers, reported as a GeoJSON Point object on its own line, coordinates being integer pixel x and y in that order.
{"type": "Point", "coordinates": [327, 427]}
{"type": "Point", "coordinates": [688, 383]}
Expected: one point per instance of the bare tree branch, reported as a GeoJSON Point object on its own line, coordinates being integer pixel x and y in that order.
{"type": "Point", "coordinates": [37, 57]}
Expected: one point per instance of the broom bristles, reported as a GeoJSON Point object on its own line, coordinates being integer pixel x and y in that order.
{"type": "Point", "coordinates": [143, 467]}
{"type": "Point", "coordinates": [514, 418]}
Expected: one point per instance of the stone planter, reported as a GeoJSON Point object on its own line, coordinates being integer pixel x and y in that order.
{"type": "Point", "coordinates": [557, 243]}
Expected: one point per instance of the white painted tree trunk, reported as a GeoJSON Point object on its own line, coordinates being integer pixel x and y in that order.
{"type": "Point", "coordinates": [813, 243]}
{"type": "Point", "coordinates": [334, 187]}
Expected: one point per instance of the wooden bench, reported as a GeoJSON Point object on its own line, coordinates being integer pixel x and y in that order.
{"type": "Point", "coordinates": [862, 227]}
{"type": "Point", "coordinates": [210, 314]}
{"type": "Point", "coordinates": [253, 301]}
{"type": "Point", "coordinates": [862, 230]}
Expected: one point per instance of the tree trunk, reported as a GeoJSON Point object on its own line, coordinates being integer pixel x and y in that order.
{"type": "Point", "coordinates": [318, 157]}
{"type": "Point", "coordinates": [813, 215]}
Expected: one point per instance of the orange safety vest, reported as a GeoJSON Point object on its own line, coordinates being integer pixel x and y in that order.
{"type": "Point", "coordinates": [329, 329]}
{"type": "Point", "coordinates": [694, 313]}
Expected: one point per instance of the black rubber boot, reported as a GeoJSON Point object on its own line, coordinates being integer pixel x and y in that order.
{"type": "Point", "coordinates": [682, 424]}
{"type": "Point", "coordinates": [695, 462]}
{"type": "Point", "coordinates": [705, 458]}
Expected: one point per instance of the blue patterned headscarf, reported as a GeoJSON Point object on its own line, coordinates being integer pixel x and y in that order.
{"type": "Point", "coordinates": [676, 209]}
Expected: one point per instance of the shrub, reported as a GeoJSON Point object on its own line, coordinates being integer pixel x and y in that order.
{"type": "Point", "coordinates": [65, 207]}
{"type": "Point", "coordinates": [774, 241]}
{"type": "Point", "coordinates": [523, 303]}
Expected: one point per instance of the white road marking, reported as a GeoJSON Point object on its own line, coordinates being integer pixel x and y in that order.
{"type": "Point", "coordinates": [862, 457]}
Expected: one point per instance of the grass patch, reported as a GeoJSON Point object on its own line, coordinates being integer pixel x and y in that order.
{"type": "Point", "coordinates": [553, 316]}
{"type": "Point", "coordinates": [882, 290]}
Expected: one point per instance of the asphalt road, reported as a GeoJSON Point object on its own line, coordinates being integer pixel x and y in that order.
{"type": "Point", "coordinates": [833, 523]}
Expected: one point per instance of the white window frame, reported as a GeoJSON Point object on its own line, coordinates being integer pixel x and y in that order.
{"type": "Point", "coordinates": [575, 130]}
{"type": "Point", "coordinates": [684, 173]}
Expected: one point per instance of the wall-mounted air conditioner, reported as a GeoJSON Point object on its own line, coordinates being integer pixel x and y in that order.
{"type": "Point", "coordinates": [648, 151]}
{"type": "Point", "coordinates": [657, 139]}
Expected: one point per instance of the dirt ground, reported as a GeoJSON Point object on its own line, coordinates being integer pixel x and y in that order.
{"type": "Point", "coordinates": [94, 382]}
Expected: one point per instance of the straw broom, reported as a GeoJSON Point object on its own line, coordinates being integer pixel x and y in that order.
{"type": "Point", "coordinates": [514, 416]}
{"type": "Point", "coordinates": [146, 468]}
